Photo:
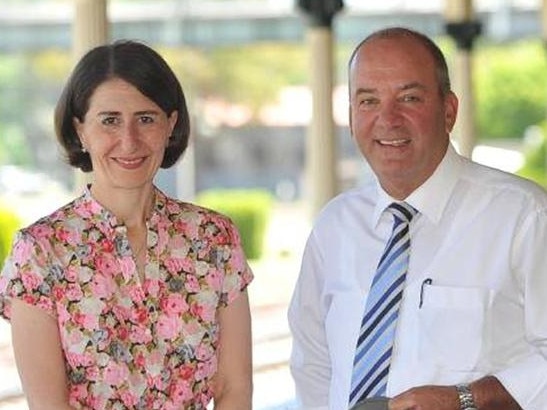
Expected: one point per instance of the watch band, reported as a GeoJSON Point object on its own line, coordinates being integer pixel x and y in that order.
{"type": "Point", "coordinates": [466, 397]}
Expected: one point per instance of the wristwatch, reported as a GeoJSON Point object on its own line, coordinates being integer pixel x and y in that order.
{"type": "Point", "coordinates": [466, 397]}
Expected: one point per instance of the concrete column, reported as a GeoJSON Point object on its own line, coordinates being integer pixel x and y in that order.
{"type": "Point", "coordinates": [321, 153]}
{"type": "Point", "coordinates": [462, 27]}
{"type": "Point", "coordinates": [465, 129]}
{"type": "Point", "coordinates": [90, 26]}
{"type": "Point", "coordinates": [321, 149]}
{"type": "Point", "coordinates": [89, 29]}
{"type": "Point", "coordinates": [544, 21]}
{"type": "Point", "coordinates": [544, 38]}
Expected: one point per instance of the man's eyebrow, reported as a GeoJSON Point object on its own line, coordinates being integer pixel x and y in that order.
{"type": "Point", "coordinates": [362, 90]}
{"type": "Point", "coordinates": [412, 85]}
{"type": "Point", "coordinates": [405, 87]}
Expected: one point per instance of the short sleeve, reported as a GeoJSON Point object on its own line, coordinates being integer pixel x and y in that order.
{"type": "Point", "coordinates": [237, 273]}
{"type": "Point", "coordinates": [27, 276]}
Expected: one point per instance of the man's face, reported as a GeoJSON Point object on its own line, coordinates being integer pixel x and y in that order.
{"type": "Point", "coordinates": [398, 117]}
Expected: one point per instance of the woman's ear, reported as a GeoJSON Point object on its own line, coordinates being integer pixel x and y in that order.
{"type": "Point", "coordinates": [173, 121]}
{"type": "Point", "coordinates": [78, 126]}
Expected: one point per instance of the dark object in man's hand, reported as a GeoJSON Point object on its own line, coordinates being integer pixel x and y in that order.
{"type": "Point", "coordinates": [376, 403]}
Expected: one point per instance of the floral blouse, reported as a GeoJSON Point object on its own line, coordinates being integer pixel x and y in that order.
{"type": "Point", "coordinates": [127, 343]}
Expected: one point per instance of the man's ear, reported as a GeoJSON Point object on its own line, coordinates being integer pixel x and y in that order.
{"type": "Point", "coordinates": [350, 120]}
{"type": "Point", "coordinates": [450, 111]}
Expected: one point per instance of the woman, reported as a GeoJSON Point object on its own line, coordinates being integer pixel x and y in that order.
{"type": "Point", "coordinates": [126, 298]}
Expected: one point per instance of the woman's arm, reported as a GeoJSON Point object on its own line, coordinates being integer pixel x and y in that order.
{"type": "Point", "coordinates": [39, 357]}
{"type": "Point", "coordinates": [233, 381]}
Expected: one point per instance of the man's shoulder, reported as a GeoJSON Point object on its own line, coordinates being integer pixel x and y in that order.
{"type": "Point", "coordinates": [365, 194]}
{"type": "Point", "coordinates": [500, 178]}
{"type": "Point", "coordinates": [487, 180]}
{"type": "Point", "coordinates": [352, 203]}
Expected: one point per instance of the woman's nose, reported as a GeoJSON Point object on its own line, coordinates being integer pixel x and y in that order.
{"type": "Point", "coordinates": [130, 136]}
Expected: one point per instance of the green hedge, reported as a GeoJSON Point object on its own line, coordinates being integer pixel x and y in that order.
{"type": "Point", "coordinates": [9, 223]}
{"type": "Point", "coordinates": [248, 209]}
{"type": "Point", "coordinates": [510, 81]}
{"type": "Point", "coordinates": [535, 157]}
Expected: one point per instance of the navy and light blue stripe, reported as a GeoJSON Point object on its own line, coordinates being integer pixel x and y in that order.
{"type": "Point", "coordinates": [375, 342]}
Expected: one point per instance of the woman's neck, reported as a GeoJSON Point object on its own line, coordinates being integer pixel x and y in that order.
{"type": "Point", "coordinates": [131, 207]}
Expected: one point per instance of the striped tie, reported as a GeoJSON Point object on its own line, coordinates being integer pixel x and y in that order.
{"type": "Point", "coordinates": [375, 342]}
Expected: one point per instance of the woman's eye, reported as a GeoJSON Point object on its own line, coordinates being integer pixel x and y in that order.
{"type": "Point", "coordinates": [146, 119]}
{"type": "Point", "coordinates": [109, 121]}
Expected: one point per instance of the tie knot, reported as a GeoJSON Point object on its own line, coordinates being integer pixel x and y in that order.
{"type": "Point", "coordinates": [402, 211]}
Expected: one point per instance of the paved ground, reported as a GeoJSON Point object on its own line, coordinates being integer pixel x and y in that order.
{"type": "Point", "coordinates": [269, 294]}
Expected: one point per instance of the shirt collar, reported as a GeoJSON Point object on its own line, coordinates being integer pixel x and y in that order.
{"type": "Point", "coordinates": [92, 209]}
{"type": "Point", "coordinates": [431, 197]}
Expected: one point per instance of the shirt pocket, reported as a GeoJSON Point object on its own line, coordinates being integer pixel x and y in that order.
{"type": "Point", "coordinates": [452, 326]}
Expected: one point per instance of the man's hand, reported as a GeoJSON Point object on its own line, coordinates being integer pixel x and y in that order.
{"type": "Point", "coordinates": [426, 398]}
{"type": "Point", "coordinates": [488, 392]}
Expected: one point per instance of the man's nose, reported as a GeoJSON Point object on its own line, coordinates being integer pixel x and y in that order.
{"type": "Point", "coordinates": [390, 113]}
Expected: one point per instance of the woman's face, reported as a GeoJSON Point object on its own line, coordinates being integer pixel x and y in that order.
{"type": "Point", "coordinates": [125, 134]}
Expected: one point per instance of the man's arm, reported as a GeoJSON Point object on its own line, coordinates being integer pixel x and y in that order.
{"type": "Point", "coordinates": [488, 394]}
{"type": "Point", "coordinates": [310, 363]}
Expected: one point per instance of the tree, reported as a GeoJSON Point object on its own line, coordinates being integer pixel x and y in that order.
{"type": "Point", "coordinates": [511, 88]}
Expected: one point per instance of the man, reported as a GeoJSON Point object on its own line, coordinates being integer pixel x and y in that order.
{"type": "Point", "coordinates": [470, 331]}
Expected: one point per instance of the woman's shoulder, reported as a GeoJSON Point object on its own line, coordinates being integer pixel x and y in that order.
{"type": "Point", "coordinates": [52, 221]}
{"type": "Point", "coordinates": [190, 211]}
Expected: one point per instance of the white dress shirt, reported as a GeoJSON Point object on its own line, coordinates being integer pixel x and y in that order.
{"type": "Point", "coordinates": [475, 301]}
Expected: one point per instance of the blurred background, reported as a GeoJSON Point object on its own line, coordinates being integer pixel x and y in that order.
{"type": "Point", "coordinates": [268, 145]}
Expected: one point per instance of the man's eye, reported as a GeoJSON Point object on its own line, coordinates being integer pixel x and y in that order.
{"type": "Point", "coordinates": [410, 98]}
{"type": "Point", "coordinates": [367, 101]}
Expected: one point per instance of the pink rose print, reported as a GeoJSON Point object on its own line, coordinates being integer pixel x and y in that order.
{"type": "Point", "coordinates": [151, 286]}
{"type": "Point", "coordinates": [115, 373]}
{"type": "Point", "coordinates": [103, 286]}
{"type": "Point", "coordinates": [174, 265]}
{"type": "Point", "coordinates": [31, 281]}
{"type": "Point", "coordinates": [168, 326]}
{"type": "Point", "coordinates": [127, 267]}
{"type": "Point", "coordinates": [41, 231]}
{"type": "Point", "coordinates": [22, 251]}
{"type": "Point", "coordinates": [202, 311]}
{"type": "Point", "coordinates": [140, 335]}
{"type": "Point", "coordinates": [204, 351]}
{"type": "Point", "coordinates": [214, 279]}
{"type": "Point", "coordinates": [129, 399]}
{"type": "Point", "coordinates": [68, 236]}
{"type": "Point", "coordinates": [71, 273]}
{"type": "Point", "coordinates": [73, 292]}
{"type": "Point", "coordinates": [107, 246]}
{"type": "Point", "coordinates": [180, 391]}
{"type": "Point", "coordinates": [127, 343]}
{"type": "Point", "coordinates": [106, 264]}
{"type": "Point", "coordinates": [174, 304]}
{"type": "Point", "coordinates": [191, 284]}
